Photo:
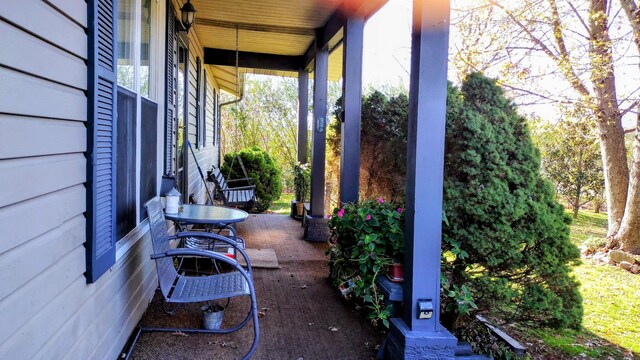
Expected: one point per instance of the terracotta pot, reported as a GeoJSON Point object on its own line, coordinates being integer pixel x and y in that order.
{"type": "Point", "coordinates": [300, 208]}
{"type": "Point", "coordinates": [395, 273]}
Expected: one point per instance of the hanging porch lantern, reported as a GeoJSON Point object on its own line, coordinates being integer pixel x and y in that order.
{"type": "Point", "coordinates": [188, 13]}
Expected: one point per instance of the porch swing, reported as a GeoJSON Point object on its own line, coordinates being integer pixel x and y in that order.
{"type": "Point", "coordinates": [239, 196]}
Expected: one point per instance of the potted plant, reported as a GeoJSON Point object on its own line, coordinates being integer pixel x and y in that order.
{"type": "Point", "coordinates": [302, 185]}
{"type": "Point", "coordinates": [212, 316]}
{"type": "Point", "coordinates": [367, 241]}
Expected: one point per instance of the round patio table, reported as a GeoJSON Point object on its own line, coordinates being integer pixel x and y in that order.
{"type": "Point", "coordinates": [215, 218]}
{"type": "Point", "coordinates": [208, 215]}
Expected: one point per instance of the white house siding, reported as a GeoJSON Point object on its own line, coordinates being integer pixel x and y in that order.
{"type": "Point", "coordinates": [207, 155]}
{"type": "Point", "coordinates": [47, 310]}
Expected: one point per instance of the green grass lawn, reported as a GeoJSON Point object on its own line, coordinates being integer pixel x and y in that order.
{"type": "Point", "coordinates": [282, 205]}
{"type": "Point", "coordinates": [588, 225]}
{"type": "Point", "coordinates": [611, 299]}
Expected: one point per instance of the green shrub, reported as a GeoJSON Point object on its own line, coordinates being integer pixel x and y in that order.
{"type": "Point", "coordinates": [302, 181]}
{"type": "Point", "coordinates": [261, 168]}
{"type": "Point", "coordinates": [383, 144]}
{"type": "Point", "coordinates": [365, 239]}
{"type": "Point", "coordinates": [506, 247]}
{"type": "Point", "coordinates": [506, 237]}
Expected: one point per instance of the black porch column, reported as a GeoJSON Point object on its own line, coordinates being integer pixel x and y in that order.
{"type": "Point", "coordinates": [303, 112]}
{"type": "Point", "coordinates": [316, 224]}
{"type": "Point", "coordinates": [352, 105]}
{"type": "Point", "coordinates": [418, 334]}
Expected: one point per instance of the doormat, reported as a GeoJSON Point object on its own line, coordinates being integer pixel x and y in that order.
{"type": "Point", "coordinates": [261, 258]}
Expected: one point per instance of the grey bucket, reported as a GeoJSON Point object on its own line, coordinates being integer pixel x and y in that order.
{"type": "Point", "coordinates": [212, 316]}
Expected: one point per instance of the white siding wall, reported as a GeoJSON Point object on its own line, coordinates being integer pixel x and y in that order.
{"type": "Point", "coordinates": [207, 155]}
{"type": "Point", "coordinates": [47, 310]}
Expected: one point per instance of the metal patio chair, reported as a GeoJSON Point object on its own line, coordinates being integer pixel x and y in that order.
{"type": "Point", "coordinates": [179, 288]}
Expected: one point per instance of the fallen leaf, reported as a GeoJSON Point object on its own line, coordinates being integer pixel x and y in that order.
{"type": "Point", "coordinates": [179, 333]}
{"type": "Point", "coordinates": [333, 328]}
{"type": "Point", "coordinates": [310, 324]}
{"type": "Point", "coordinates": [304, 286]}
{"type": "Point", "coordinates": [260, 314]}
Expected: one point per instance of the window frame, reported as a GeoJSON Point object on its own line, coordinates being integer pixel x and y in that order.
{"type": "Point", "coordinates": [156, 77]}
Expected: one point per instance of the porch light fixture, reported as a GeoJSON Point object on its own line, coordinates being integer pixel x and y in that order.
{"type": "Point", "coordinates": [188, 13]}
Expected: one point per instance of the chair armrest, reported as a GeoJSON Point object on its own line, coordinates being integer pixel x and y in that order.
{"type": "Point", "coordinates": [195, 252]}
{"type": "Point", "coordinates": [252, 187]}
{"type": "Point", "coordinates": [236, 180]}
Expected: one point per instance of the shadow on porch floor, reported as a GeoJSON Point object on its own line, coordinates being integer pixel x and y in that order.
{"type": "Point", "coordinates": [296, 321]}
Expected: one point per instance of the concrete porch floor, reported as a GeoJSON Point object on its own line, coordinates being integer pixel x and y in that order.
{"type": "Point", "coordinates": [297, 320]}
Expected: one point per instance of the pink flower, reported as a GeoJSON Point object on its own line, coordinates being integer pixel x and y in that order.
{"type": "Point", "coordinates": [341, 213]}
{"type": "Point", "coordinates": [328, 216]}
{"type": "Point", "coordinates": [380, 200]}
{"type": "Point", "coordinates": [399, 210]}
{"type": "Point", "coordinates": [368, 217]}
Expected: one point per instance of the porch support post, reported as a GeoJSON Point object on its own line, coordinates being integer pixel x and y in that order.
{"type": "Point", "coordinates": [352, 105]}
{"type": "Point", "coordinates": [303, 112]}
{"type": "Point", "coordinates": [412, 337]}
{"type": "Point", "coordinates": [316, 227]}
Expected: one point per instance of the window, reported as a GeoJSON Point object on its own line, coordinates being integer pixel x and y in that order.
{"type": "Point", "coordinates": [122, 126]}
{"type": "Point", "coordinates": [137, 114]}
{"type": "Point", "coordinates": [145, 69]}
{"type": "Point", "coordinates": [126, 43]}
{"type": "Point", "coordinates": [181, 111]}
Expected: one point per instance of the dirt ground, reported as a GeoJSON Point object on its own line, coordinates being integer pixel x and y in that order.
{"type": "Point", "coordinates": [304, 317]}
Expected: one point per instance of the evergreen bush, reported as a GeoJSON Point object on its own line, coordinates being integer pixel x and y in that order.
{"type": "Point", "coordinates": [505, 236]}
{"type": "Point", "coordinates": [383, 144]}
{"type": "Point", "coordinates": [261, 169]}
{"type": "Point", "coordinates": [506, 247]}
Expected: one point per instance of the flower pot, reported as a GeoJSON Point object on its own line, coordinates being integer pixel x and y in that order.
{"type": "Point", "coordinates": [212, 316]}
{"type": "Point", "coordinates": [300, 208]}
{"type": "Point", "coordinates": [395, 273]}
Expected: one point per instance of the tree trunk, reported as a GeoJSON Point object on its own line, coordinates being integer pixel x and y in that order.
{"type": "Point", "coordinates": [597, 205]}
{"type": "Point", "coordinates": [578, 190]}
{"type": "Point", "coordinates": [616, 172]}
{"type": "Point", "coordinates": [629, 234]}
{"type": "Point", "coordinates": [613, 151]}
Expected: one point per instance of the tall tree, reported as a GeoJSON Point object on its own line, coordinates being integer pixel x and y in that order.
{"type": "Point", "coordinates": [585, 44]}
{"type": "Point", "coordinates": [571, 160]}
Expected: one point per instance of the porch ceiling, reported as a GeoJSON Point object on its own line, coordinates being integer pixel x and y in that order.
{"type": "Point", "coordinates": [277, 27]}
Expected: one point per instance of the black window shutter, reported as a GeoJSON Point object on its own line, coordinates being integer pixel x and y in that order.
{"type": "Point", "coordinates": [198, 105]}
{"type": "Point", "coordinates": [204, 108]}
{"type": "Point", "coordinates": [101, 124]}
{"type": "Point", "coordinates": [170, 92]}
{"type": "Point", "coordinates": [218, 120]}
{"type": "Point", "coordinates": [215, 117]}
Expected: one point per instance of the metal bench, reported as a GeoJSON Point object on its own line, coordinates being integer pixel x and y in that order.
{"type": "Point", "coordinates": [241, 196]}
